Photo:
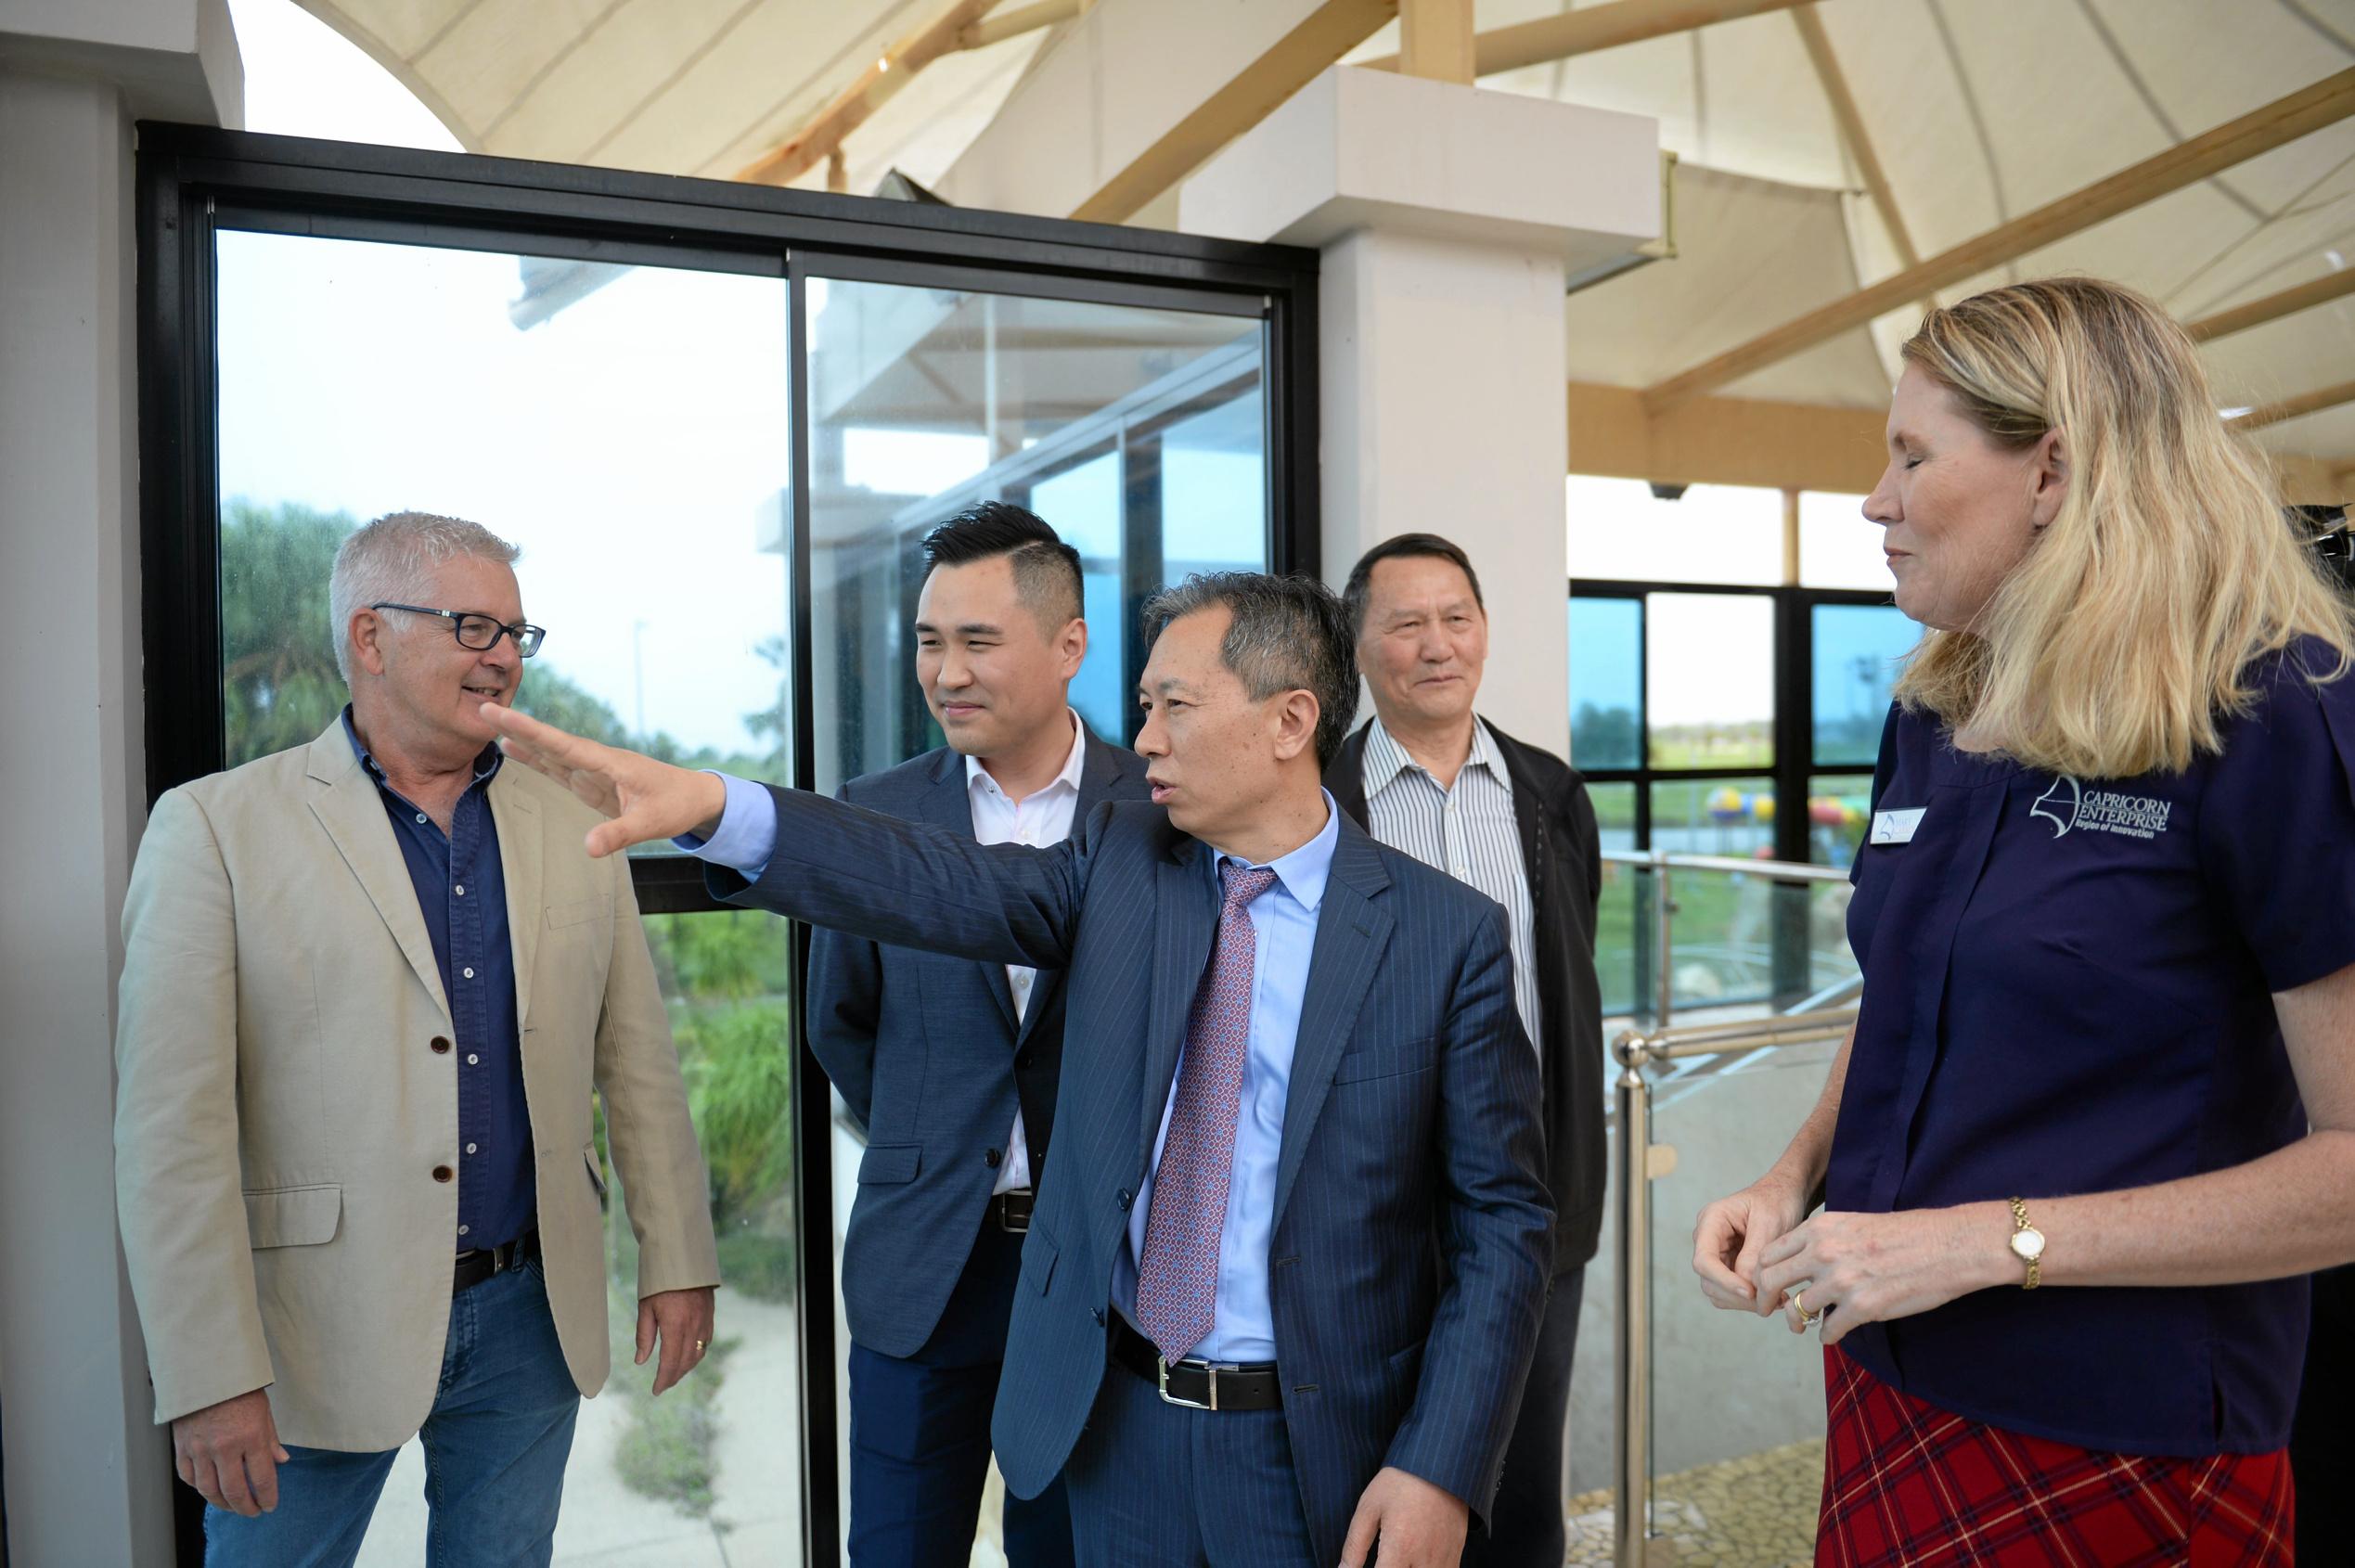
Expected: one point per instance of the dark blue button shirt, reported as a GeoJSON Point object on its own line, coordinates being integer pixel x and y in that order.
{"type": "Point", "coordinates": [461, 890]}
{"type": "Point", "coordinates": [2067, 989]}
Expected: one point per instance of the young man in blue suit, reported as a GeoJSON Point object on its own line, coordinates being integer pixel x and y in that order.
{"type": "Point", "coordinates": [1282, 1288]}
{"type": "Point", "coordinates": [951, 1065]}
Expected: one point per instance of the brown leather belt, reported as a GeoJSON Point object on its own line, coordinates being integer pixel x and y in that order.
{"type": "Point", "coordinates": [1199, 1385]}
{"type": "Point", "coordinates": [483, 1263]}
{"type": "Point", "coordinates": [1010, 1211]}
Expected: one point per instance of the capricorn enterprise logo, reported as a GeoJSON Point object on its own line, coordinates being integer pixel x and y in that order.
{"type": "Point", "coordinates": [2068, 807]}
{"type": "Point", "coordinates": [2060, 804]}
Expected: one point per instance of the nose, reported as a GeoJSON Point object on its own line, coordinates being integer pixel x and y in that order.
{"type": "Point", "coordinates": [954, 671]}
{"type": "Point", "coordinates": [1882, 506]}
{"type": "Point", "coordinates": [1152, 739]}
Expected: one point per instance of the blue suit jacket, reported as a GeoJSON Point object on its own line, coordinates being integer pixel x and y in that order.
{"type": "Point", "coordinates": [1408, 1264]}
{"type": "Point", "coordinates": [926, 1053]}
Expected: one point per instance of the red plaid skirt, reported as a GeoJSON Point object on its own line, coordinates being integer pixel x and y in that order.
{"type": "Point", "coordinates": [1908, 1485]}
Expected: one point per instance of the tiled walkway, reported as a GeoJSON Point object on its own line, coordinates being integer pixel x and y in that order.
{"type": "Point", "coordinates": [1757, 1511]}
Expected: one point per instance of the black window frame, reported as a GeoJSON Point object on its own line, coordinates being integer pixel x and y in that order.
{"type": "Point", "coordinates": [1794, 763]}
{"type": "Point", "coordinates": [195, 181]}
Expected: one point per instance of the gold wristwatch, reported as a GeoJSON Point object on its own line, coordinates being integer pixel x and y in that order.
{"type": "Point", "coordinates": [2028, 1243]}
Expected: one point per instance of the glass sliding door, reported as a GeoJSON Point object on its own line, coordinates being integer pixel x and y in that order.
{"type": "Point", "coordinates": [627, 427]}
{"type": "Point", "coordinates": [718, 419]}
{"type": "Point", "coordinates": [1140, 434]}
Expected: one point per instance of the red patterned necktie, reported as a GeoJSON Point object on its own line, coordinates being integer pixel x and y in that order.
{"type": "Point", "coordinates": [1178, 1276]}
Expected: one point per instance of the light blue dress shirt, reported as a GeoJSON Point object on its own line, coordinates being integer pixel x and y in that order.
{"type": "Point", "coordinates": [1283, 920]}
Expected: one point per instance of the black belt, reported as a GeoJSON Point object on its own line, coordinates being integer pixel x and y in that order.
{"type": "Point", "coordinates": [1199, 1385]}
{"type": "Point", "coordinates": [481, 1263]}
{"type": "Point", "coordinates": [1010, 1211]}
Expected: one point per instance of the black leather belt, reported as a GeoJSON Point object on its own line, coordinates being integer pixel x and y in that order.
{"type": "Point", "coordinates": [481, 1263]}
{"type": "Point", "coordinates": [1010, 1211]}
{"type": "Point", "coordinates": [1198, 1386]}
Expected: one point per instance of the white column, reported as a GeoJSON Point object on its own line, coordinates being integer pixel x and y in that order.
{"type": "Point", "coordinates": [87, 1472]}
{"type": "Point", "coordinates": [1448, 219]}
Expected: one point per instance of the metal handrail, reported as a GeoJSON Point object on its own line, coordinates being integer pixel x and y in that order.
{"type": "Point", "coordinates": [1640, 1163]}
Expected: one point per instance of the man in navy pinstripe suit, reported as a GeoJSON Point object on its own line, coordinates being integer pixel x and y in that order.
{"type": "Point", "coordinates": [1280, 1290]}
{"type": "Point", "coordinates": [951, 1066]}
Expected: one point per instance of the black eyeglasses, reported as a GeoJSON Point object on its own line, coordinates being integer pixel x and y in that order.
{"type": "Point", "coordinates": [481, 633]}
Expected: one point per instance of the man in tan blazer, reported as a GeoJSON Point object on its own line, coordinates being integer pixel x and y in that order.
{"type": "Point", "coordinates": [368, 986]}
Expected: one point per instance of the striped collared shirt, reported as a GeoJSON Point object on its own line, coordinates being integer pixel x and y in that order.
{"type": "Point", "coordinates": [1468, 831]}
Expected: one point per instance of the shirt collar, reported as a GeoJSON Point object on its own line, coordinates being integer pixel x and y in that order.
{"type": "Point", "coordinates": [1385, 759]}
{"type": "Point", "coordinates": [1305, 870]}
{"type": "Point", "coordinates": [486, 762]}
{"type": "Point", "coordinates": [976, 775]}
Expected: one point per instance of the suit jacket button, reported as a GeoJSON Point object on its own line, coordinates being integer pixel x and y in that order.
{"type": "Point", "coordinates": [441, 1046]}
{"type": "Point", "coordinates": [1097, 1314]}
{"type": "Point", "coordinates": [440, 1172]}
{"type": "Point", "coordinates": [990, 1158]}
{"type": "Point", "coordinates": [1023, 1060]}
{"type": "Point", "coordinates": [1125, 1199]}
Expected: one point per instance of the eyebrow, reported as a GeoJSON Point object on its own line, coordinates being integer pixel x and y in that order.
{"type": "Point", "coordinates": [1167, 686]}
{"type": "Point", "coordinates": [967, 628]}
{"type": "Point", "coordinates": [1903, 437]}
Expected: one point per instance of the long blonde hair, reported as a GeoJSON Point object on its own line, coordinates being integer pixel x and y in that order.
{"type": "Point", "coordinates": [2117, 645]}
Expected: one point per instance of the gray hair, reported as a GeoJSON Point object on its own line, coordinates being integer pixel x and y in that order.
{"type": "Point", "coordinates": [389, 559]}
{"type": "Point", "coordinates": [1290, 633]}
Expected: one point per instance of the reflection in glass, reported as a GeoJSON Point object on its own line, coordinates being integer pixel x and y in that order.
{"type": "Point", "coordinates": [1138, 434]}
{"type": "Point", "coordinates": [1709, 693]}
{"type": "Point", "coordinates": [1860, 652]}
{"type": "Point", "coordinates": [1606, 683]}
{"type": "Point", "coordinates": [1737, 1403]}
{"type": "Point", "coordinates": [641, 423]}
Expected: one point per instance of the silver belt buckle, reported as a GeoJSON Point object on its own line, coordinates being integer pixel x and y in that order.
{"type": "Point", "coordinates": [1169, 1398]}
{"type": "Point", "coordinates": [1009, 1222]}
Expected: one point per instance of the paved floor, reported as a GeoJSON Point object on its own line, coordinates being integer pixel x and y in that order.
{"type": "Point", "coordinates": [1757, 1511]}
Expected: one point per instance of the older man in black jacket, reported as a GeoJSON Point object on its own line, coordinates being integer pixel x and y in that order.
{"type": "Point", "coordinates": [1427, 777]}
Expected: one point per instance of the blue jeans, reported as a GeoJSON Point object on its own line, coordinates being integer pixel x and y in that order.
{"type": "Point", "coordinates": [495, 1442]}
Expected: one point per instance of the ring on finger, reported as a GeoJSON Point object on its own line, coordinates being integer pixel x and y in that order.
{"type": "Point", "coordinates": [1798, 1304]}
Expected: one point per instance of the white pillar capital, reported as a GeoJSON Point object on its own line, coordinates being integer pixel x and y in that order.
{"type": "Point", "coordinates": [170, 60]}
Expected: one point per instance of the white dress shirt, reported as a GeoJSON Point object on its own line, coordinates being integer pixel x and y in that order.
{"type": "Point", "coordinates": [1041, 819]}
{"type": "Point", "coordinates": [1468, 831]}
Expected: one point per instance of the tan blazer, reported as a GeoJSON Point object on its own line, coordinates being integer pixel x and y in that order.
{"type": "Point", "coordinates": [281, 1108]}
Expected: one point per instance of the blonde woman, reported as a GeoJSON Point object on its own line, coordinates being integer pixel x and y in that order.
{"type": "Point", "coordinates": [2097, 1117]}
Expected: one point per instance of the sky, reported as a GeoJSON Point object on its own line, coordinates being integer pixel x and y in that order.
{"type": "Point", "coordinates": [632, 443]}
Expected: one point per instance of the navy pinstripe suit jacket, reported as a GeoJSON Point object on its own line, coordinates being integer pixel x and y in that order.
{"type": "Point", "coordinates": [1408, 1264]}
{"type": "Point", "coordinates": [928, 1055]}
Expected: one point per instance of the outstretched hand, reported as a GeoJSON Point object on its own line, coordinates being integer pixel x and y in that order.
{"type": "Point", "coordinates": [647, 800]}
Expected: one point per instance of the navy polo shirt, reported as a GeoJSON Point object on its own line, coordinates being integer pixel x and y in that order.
{"type": "Point", "coordinates": [461, 890]}
{"type": "Point", "coordinates": [2069, 989]}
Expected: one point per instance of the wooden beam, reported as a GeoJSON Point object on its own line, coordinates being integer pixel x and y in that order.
{"type": "Point", "coordinates": [2273, 307]}
{"type": "Point", "coordinates": [1020, 20]}
{"type": "Point", "coordinates": [1726, 441]}
{"type": "Point", "coordinates": [1434, 39]}
{"type": "Point", "coordinates": [2315, 481]}
{"type": "Point", "coordinates": [2294, 408]}
{"type": "Point", "coordinates": [1590, 28]}
{"type": "Point", "coordinates": [817, 137]}
{"type": "Point", "coordinates": [2285, 119]}
{"type": "Point", "coordinates": [1330, 31]}
{"type": "Point", "coordinates": [1851, 123]}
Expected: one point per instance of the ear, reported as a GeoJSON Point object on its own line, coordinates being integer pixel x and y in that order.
{"type": "Point", "coordinates": [1071, 648]}
{"type": "Point", "coordinates": [366, 632]}
{"type": "Point", "coordinates": [2049, 474]}
{"type": "Point", "coordinates": [1296, 715]}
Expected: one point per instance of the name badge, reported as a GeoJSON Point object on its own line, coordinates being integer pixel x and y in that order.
{"type": "Point", "coordinates": [1896, 826]}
